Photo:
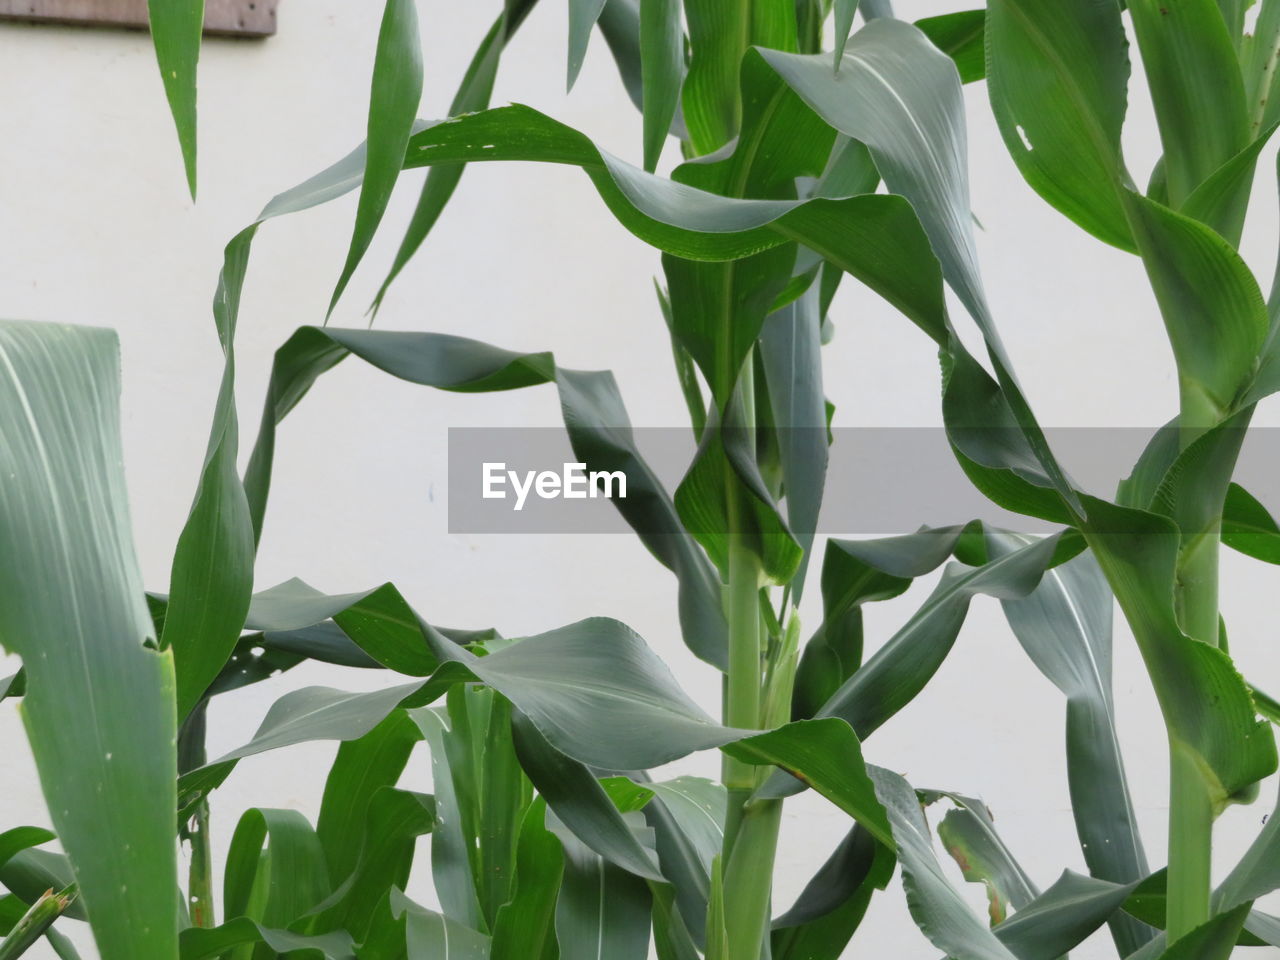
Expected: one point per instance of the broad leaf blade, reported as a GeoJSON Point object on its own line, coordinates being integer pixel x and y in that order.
{"type": "Point", "coordinates": [99, 706]}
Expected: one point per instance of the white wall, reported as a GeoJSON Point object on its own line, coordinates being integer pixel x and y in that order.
{"type": "Point", "coordinates": [97, 229]}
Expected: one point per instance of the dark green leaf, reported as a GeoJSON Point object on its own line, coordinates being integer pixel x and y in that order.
{"type": "Point", "coordinates": [1059, 74]}
{"type": "Point", "coordinates": [393, 106]}
{"type": "Point", "coordinates": [176, 26]}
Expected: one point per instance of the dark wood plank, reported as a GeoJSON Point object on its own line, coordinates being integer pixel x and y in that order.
{"type": "Point", "coordinates": [241, 18]}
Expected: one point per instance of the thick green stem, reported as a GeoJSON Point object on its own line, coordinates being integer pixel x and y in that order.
{"type": "Point", "coordinates": [748, 883]}
{"type": "Point", "coordinates": [742, 688]}
{"type": "Point", "coordinates": [1190, 845]}
{"type": "Point", "coordinates": [1191, 811]}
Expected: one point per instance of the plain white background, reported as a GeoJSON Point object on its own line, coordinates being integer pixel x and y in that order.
{"type": "Point", "coordinates": [98, 229]}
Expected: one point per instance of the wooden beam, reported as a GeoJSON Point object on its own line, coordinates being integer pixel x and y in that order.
{"type": "Point", "coordinates": [238, 18]}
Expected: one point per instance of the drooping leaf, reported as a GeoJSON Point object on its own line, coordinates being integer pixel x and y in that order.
{"type": "Point", "coordinates": [824, 917]}
{"type": "Point", "coordinates": [98, 708]}
{"type": "Point", "coordinates": [1064, 626]}
{"type": "Point", "coordinates": [581, 803]}
{"type": "Point", "coordinates": [176, 26]}
{"type": "Point", "coordinates": [856, 572]}
{"type": "Point", "coordinates": [1060, 918]}
{"type": "Point", "coordinates": [594, 414]}
{"type": "Point", "coordinates": [901, 667]}
{"type": "Point", "coordinates": [583, 15]}
{"type": "Point", "coordinates": [969, 835]}
{"type": "Point", "coordinates": [309, 714]}
{"type": "Point", "coordinates": [473, 94]}
{"type": "Point", "coordinates": [393, 106]}
{"type": "Point", "coordinates": [936, 906]}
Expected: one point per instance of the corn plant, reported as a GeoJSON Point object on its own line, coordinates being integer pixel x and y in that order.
{"type": "Point", "coordinates": [549, 837]}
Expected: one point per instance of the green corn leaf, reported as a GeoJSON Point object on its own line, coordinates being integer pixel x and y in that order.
{"type": "Point", "coordinates": [13, 686]}
{"type": "Point", "coordinates": [902, 666]}
{"type": "Point", "coordinates": [362, 768]}
{"type": "Point", "coordinates": [603, 911]}
{"type": "Point", "coordinates": [824, 917]}
{"type": "Point", "coordinates": [581, 803]}
{"type": "Point", "coordinates": [306, 715]}
{"type": "Point", "coordinates": [1196, 86]}
{"type": "Point", "coordinates": [35, 923]}
{"type": "Point", "coordinates": [473, 94]}
{"type": "Point", "coordinates": [275, 871]}
{"type": "Point", "coordinates": [1213, 310]}
{"type": "Point", "coordinates": [1257, 873]}
{"type": "Point", "coordinates": [901, 97]}
{"type": "Point", "coordinates": [825, 755]}
{"type": "Point", "coordinates": [176, 26]}
{"type": "Point", "coordinates": [662, 64]}
{"type": "Point", "coordinates": [1259, 55]}
{"type": "Point", "coordinates": [1058, 79]}
{"type": "Point", "coordinates": [620, 26]}
{"type": "Point", "coordinates": [17, 839]}
{"type": "Point", "coordinates": [379, 621]}
{"type": "Point", "coordinates": [598, 426]}
{"type": "Point", "coordinates": [452, 848]}
{"type": "Point", "coordinates": [394, 821]}
{"type": "Point", "coordinates": [98, 708]}
{"type": "Point", "coordinates": [844, 13]}
{"type": "Point", "coordinates": [482, 796]}
{"type": "Point", "coordinates": [1064, 626]}
{"type": "Point", "coordinates": [212, 574]}
{"type": "Point", "coordinates": [583, 15]}
{"type": "Point", "coordinates": [875, 238]}
{"type": "Point", "coordinates": [1060, 918]}
{"type": "Point", "coordinates": [1221, 201]}
{"type": "Point", "coordinates": [969, 835]}
{"type": "Point", "coordinates": [718, 35]}
{"type": "Point", "coordinates": [936, 906]}
{"type": "Point", "coordinates": [790, 351]}
{"type": "Point", "coordinates": [393, 105]}
{"type": "Point", "coordinates": [687, 818]}
{"type": "Point", "coordinates": [1213, 940]}
{"type": "Point", "coordinates": [856, 572]}
{"type": "Point", "coordinates": [1248, 526]}
{"type": "Point", "coordinates": [962, 37]}
{"type": "Point", "coordinates": [29, 873]}
{"type": "Point", "coordinates": [525, 929]}
{"type": "Point", "coordinates": [430, 934]}
{"type": "Point", "coordinates": [242, 933]}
